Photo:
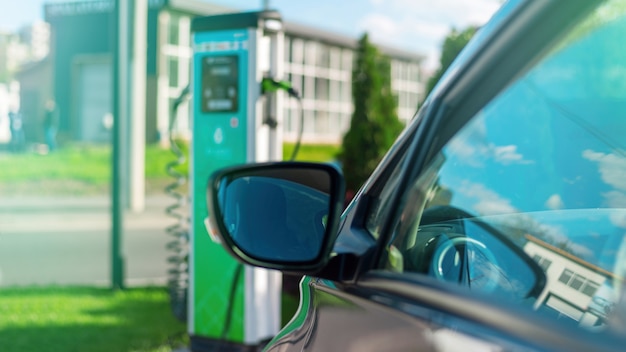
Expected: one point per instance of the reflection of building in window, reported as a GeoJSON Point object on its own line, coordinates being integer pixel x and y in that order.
{"type": "Point", "coordinates": [578, 282]}
{"type": "Point", "coordinates": [573, 285]}
{"type": "Point", "coordinates": [544, 263]}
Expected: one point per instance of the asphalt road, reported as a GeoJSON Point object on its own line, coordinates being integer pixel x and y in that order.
{"type": "Point", "coordinates": [46, 241]}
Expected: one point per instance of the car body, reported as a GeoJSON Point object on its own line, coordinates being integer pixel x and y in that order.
{"type": "Point", "coordinates": [497, 221]}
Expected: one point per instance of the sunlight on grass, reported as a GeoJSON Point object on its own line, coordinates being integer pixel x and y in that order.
{"type": "Point", "coordinates": [77, 170]}
{"type": "Point", "coordinates": [87, 319]}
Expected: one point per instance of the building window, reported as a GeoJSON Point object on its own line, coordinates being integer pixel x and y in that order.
{"type": "Point", "coordinates": [590, 288]}
{"type": "Point", "coordinates": [321, 88]}
{"type": "Point", "coordinates": [173, 71]}
{"type": "Point", "coordinates": [577, 282]}
{"type": "Point", "coordinates": [296, 51]}
{"type": "Point", "coordinates": [309, 53]}
{"type": "Point", "coordinates": [173, 32]}
{"type": "Point", "coordinates": [323, 56]}
{"type": "Point", "coordinates": [544, 263]}
{"type": "Point", "coordinates": [566, 276]}
{"type": "Point", "coordinates": [289, 49]}
{"type": "Point", "coordinates": [346, 60]}
{"type": "Point", "coordinates": [334, 91]}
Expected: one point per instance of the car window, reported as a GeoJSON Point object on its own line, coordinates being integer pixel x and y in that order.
{"type": "Point", "coordinates": [528, 200]}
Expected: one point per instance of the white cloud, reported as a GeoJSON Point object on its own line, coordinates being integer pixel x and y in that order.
{"type": "Point", "coordinates": [612, 167]}
{"type": "Point", "coordinates": [385, 27]}
{"type": "Point", "coordinates": [618, 218]}
{"type": "Point", "coordinates": [507, 154]}
{"type": "Point", "coordinates": [452, 12]}
{"type": "Point", "coordinates": [615, 199]}
{"type": "Point", "coordinates": [581, 251]}
{"type": "Point", "coordinates": [423, 24]}
{"type": "Point", "coordinates": [555, 202]}
{"type": "Point", "coordinates": [405, 32]}
{"type": "Point", "coordinates": [471, 147]}
{"type": "Point", "coordinates": [474, 152]}
{"type": "Point", "coordinates": [488, 202]}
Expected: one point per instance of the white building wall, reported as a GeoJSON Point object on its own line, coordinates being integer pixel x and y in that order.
{"type": "Point", "coordinates": [9, 101]}
{"type": "Point", "coordinates": [36, 37]}
{"type": "Point", "coordinates": [570, 286]}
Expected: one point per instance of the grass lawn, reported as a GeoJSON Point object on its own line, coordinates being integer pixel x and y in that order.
{"type": "Point", "coordinates": [88, 319]}
{"type": "Point", "coordinates": [76, 170]}
{"type": "Point", "coordinates": [69, 319]}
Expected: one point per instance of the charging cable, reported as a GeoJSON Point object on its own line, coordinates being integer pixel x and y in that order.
{"type": "Point", "coordinates": [178, 246]}
{"type": "Point", "coordinates": [269, 85]}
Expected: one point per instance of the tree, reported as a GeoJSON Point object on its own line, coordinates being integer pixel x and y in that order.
{"type": "Point", "coordinates": [452, 46]}
{"type": "Point", "coordinates": [374, 125]}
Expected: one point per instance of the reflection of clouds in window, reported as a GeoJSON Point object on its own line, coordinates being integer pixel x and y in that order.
{"type": "Point", "coordinates": [471, 147]}
{"type": "Point", "coordinates": [555, 202]}
{"type": "Point", "coordinates": [615, 199]}
{"type": "Point", "coordinates": [549, 233]}
{"type": "Point", "coordinates": [581, 251]}
{"type": "Point", "coordinates": [475, 154]}
{"type": "Point", "coordinates": [488, 201]}
{"type": "Point", "coordinates": [556, 235]}
{"type": "Point", "coordinates": [508, 155]}
{"type": "Point", "coordinates": [612, 169]}
{"type": "Point", "coordinates": [618, 218]}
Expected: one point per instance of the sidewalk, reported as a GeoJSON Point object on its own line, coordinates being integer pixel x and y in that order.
{"type": "Point", "coordinates": [66, 240]}
{"type": "Point", "coordinates": [30, 204]}
{"type": "Point", "coordinates": [29, 214]}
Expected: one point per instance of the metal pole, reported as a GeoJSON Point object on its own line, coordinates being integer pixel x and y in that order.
{"type": "Point", "coordinates": [117, 264]}
{"type": "Point", "coordinates": [137, 120]}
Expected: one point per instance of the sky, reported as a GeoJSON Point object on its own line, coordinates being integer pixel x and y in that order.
{"type": "Point", "coordinates": [414, 25]}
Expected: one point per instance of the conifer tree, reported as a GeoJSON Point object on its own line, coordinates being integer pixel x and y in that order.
{"type": "Point", "coordinates": [374, 125]}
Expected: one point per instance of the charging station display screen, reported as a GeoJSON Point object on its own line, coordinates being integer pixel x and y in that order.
{"type": "Point", "coordinates": [220, 78]}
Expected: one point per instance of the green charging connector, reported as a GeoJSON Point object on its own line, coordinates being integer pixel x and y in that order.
{"type": "Point", "coordinates": [269, 85]}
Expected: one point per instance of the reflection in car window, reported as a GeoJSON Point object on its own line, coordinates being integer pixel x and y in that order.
{"type": "Point", "coordinates": [538, 175]}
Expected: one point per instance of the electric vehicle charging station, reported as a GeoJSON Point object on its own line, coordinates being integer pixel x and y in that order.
{"type": "Point", "coordinates": [233, 122]}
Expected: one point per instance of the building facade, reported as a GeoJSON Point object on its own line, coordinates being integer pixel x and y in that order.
{"type": "Point", "coordinates": [318, 63]}
{"type": "Point", "coordinates": [575, 289]}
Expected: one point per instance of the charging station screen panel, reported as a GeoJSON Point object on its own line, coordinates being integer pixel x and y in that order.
{"type": "Point", "coordinates": [220, 91]}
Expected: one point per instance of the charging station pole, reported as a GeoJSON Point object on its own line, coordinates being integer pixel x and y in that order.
{"type": "Point", "coordinates": [231, 306]}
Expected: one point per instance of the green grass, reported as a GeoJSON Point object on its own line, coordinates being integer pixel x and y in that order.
{"type": "Point", "coordinates": [86, 169]}
{"type": "Point", "coordinates": [312, 152]}
{"type": "Point", "coordinates": [88, 319]}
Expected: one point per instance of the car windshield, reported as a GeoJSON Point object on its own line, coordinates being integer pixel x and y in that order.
{"type": "Point", "coordinates": [542, 167]}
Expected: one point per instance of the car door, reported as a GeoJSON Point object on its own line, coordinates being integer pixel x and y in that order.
{"type": "Point", "coordinates": [483, 232]}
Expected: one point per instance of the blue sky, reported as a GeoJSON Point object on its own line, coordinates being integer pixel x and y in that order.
{"type": "Point", "coordinates": [414, 25]}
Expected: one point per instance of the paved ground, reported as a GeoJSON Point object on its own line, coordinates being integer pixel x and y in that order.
{"type": "Point", "coordinates": [64, 241]}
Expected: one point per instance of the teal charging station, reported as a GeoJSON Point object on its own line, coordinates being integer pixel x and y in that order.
{"type": "Point", "coordinates": [231, 306]}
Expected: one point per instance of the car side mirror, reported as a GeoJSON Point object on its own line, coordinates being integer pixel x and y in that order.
{"type": "Point", "coordinates": [280, 216]}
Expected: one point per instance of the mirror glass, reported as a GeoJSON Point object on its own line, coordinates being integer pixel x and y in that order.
{"type": "Point", "coordinates": [270, 216]}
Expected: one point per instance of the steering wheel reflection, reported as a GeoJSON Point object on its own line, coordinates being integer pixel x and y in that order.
{"type": "Point", "coordinates": [464, 259]}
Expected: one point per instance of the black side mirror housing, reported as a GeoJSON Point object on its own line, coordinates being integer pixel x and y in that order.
{"type": "Point", "coordinates": [281, 216]}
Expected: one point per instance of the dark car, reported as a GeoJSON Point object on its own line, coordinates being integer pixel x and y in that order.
{"type": "Point", "coordinates": [497, 221]}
